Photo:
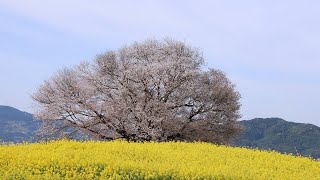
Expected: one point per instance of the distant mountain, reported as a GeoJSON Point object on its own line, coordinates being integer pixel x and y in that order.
{"type": "Point", "coordinates": [15, 125]}
{"type": "Point", "coordinates": [280, 135]}
{"type": "Point", "coordinates": [270, 133]}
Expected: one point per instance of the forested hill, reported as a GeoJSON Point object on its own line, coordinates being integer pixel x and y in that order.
{"type": "Point", "coordinates": [15, 125]}
{"type": "Point", "coordinates": [280, 135]}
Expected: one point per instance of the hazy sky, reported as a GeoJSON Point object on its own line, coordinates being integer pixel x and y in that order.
{"type": "Point", "coordinates": [270, 49]}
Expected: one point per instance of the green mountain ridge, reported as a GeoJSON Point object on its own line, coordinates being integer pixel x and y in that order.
{"type": "Point", "coordinates": [16, 125]}
{"type": "Point", "coordinates": [280, 135]}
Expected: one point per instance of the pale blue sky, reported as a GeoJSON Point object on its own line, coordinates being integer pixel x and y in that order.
{"type": "Point", "coordinates": [270, 49]}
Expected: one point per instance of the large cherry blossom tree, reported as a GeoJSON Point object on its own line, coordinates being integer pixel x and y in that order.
{"type": "Point", "coordinates": [148, 91]}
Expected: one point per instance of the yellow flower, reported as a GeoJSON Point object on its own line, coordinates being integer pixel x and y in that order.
{"type": "Point", "coordinates": [171, 160]}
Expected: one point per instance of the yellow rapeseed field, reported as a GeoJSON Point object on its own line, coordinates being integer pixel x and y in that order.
{"type": "Point", "coordinates": [171, 160]}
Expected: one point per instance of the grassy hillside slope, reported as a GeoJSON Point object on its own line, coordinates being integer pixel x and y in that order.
{"type": "Point", "coordinates": [172, 160]}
